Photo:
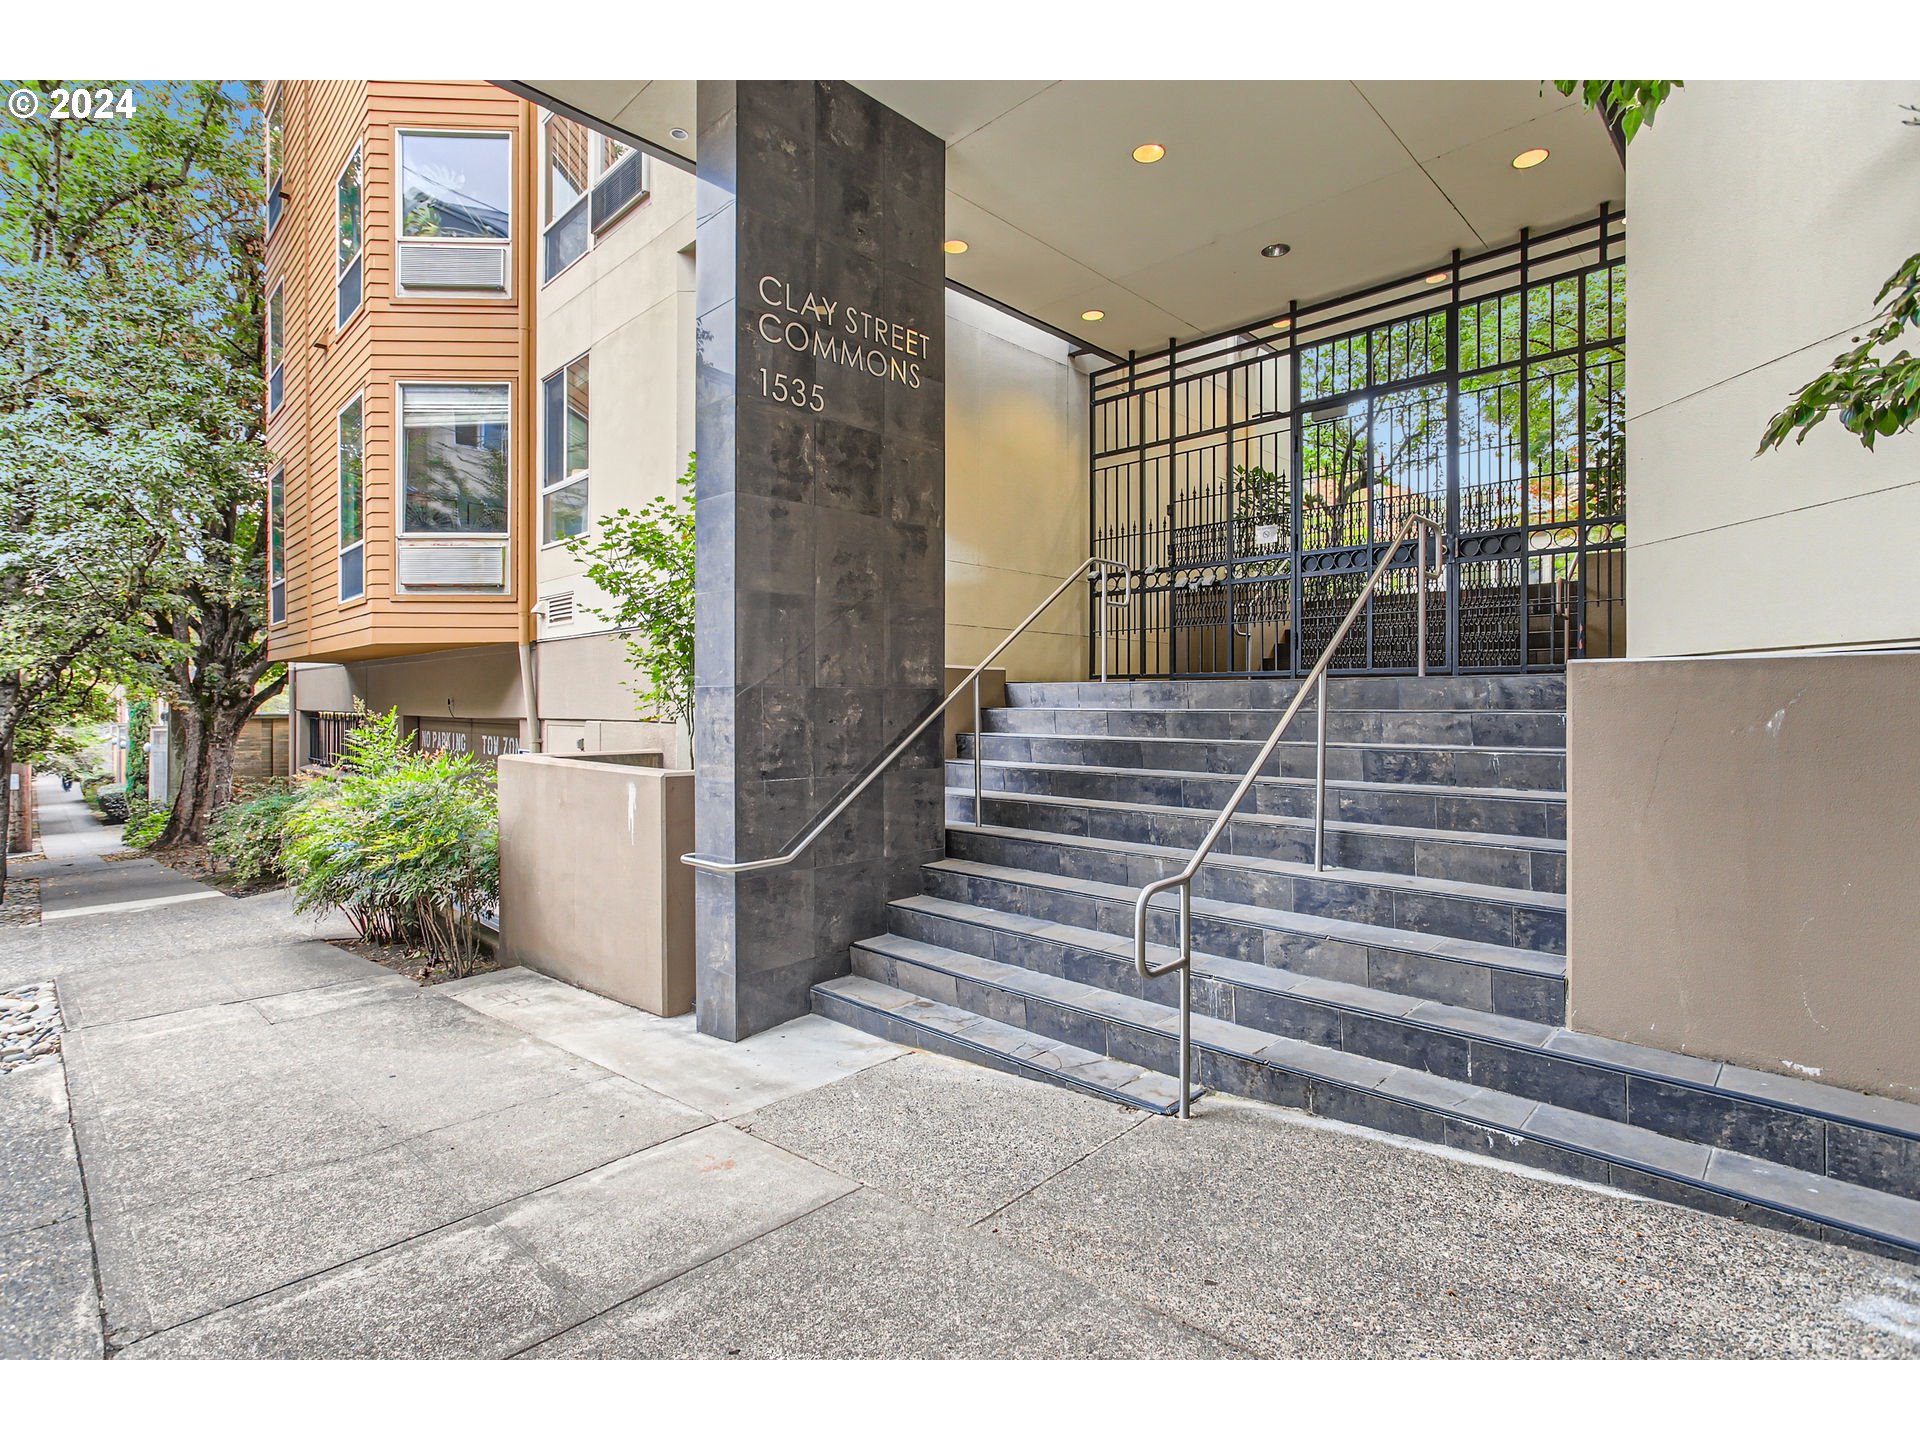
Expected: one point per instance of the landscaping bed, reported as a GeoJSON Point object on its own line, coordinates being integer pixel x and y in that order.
{"type": "Point", "coordinates": [412, 961]}
{"type": "Point", "coordinates": [22, 905]}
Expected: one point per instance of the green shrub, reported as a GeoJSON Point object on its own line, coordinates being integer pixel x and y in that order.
{"type": "Point", "coordinates": [112, 800]}
{"type": "Point", "coordinates": [408, 845]}
{"type": "Point", "coordinates": [248, 836]}
{"type": "Point", "coordinates": [144, 828]}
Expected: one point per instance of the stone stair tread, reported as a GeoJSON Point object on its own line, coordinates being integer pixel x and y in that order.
{"type": "Point", "coordinates": [1545, 845]}
{"type": "Point", "coordinates": [1306, 712]}
{"type": "Point", "coordinates": [1415, 745]}
{"type": "Point", "coordinates": [1067, 1064]}
{"type": "Point", "coordinates": [1465, 792]}
{"type": "Point", "coordinates": [1878, 1214]}
{"type": "Point", "coordinates": [1551, 1040]}
{"type": "Point", "coordinates": [1507, 957]}
{"type": "Point", "coordinates": [1383, 879]}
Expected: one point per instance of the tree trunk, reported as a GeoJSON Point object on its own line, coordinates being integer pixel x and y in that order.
{"type": "Point", "coordinates": [206, 784]}
{"type": "Point", "coordinates": [6, 811]}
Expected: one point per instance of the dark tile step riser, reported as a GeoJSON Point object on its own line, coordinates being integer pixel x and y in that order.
{"type": "Point", "coordinates": [1465, 768]}
{"type": "Point", "coordinates": [1253, 1079]}
{"type": "Point", "coordinates": [1786, 1137]}
{"type": "Point", "coordinates": [1368, 901]}
{"type": "Point", "coordinates": [926, 1037]}
{"type": "Point", "coordinates": [1521, 728]}
{"type": "Point", "coordinates": [1469, 814]}
{"type": "Point", "coordinates": [1356, 692]}
{"type": "Point", "coordinates": [1472, 862]}
{"type": "Point", "coordinates": [1512, 993]}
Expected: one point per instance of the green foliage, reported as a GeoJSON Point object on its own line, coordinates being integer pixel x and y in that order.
{"type": "Point", "coordinates": [144, 828]}
{"type": "Point", "coordinates": [139, 724]}
{"type": "Point", "coordinates": [248, 835]}
{"type": "Point", "coordinates": [112, 800]}
{"type": "Point", "coordinates": [131, 463]}
{"type": "Point", "coordinates": [406, 844]}
{"type": "Point", "coordinates": [644, 562]}
{"type": "Point", "coordinates": [1871, 393]}
{"type": "Point", "coordinates": [1626, 105]}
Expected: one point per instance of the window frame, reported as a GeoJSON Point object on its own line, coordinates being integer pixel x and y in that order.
{"type": "Point", "coordinates": [275, 130]}
{"type": "Point", "coordinates": [355, 161]}
{"type": "Point", "coordinates": [402, 240]}
{"type": "Point", "coordinates": [549, 488]}
{"type": "Point", "coordinates": [488, 537]}
{"type": "Point", "coordinates": [340, 519]}
{"type": "Point", "coordinates": [276, 366]}
{"type": "Point", "coordinates": [277, 541]}
{"type": "Point", "coordinates": [596, 172]}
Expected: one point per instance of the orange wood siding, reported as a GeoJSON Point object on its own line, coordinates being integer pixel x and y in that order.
{"type": "Point", "coordinates": [389, 340]}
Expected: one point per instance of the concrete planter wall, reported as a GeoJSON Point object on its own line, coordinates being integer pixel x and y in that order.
{"type": "Point", "coordinates": [592, 890]}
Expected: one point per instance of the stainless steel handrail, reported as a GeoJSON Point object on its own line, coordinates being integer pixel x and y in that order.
{"type": "Point", "coordinates": [873, 772]}
{"type": "Point", "coordinates": [1414, 527]}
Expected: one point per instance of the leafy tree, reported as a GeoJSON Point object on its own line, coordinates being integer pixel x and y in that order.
{"type": "Point", "coordinates": [1625, 105]}
{"type": "Point", "coordinates": [131, 306]}
{"type": "Point", "coordinates": [643, 561]}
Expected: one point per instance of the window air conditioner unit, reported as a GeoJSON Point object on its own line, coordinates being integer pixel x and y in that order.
{"type": "Point", "coordinates": [427, 266]}
{"type": "Point", "coordinates": [429, 565]}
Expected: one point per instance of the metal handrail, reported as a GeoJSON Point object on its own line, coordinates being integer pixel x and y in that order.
{"type": "Point", "coordinates": [873, 772]}
{"type": "Point", "coordinates": [1414, 527]}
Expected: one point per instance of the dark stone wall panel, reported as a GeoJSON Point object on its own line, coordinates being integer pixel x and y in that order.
{"type": "Point", "coordinates": [821, 587]}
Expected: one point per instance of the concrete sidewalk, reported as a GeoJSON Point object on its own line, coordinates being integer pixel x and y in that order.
{"type": "Point", "coordinates": [284, 1150]}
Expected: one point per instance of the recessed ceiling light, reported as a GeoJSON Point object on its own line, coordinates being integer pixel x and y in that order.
{"type": "Point", "coordinates": [1275, 250]}
{"type": "Point", "coordinates": [1438, 277]}
{"type": "Point", "coordinates": [677, 133]}
{"type": "Point", "coordinates": [1282, 323]}
{"type": "Point", "coordinates": [1093, 314]}
{"type": "Point", "coordinates": [1148, 153]}
{"type": "Point", "coordinates": [955, 247]}
{"type": "Point", "coordinates": [1527, 159]}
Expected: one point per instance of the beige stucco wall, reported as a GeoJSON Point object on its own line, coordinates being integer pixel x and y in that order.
{"type": "Point", "coordinates": [477, 684]}
{"type": "Point", "coordinates": [1016, 491]}
{"type": "Point", "coordinates": [1764, 217]}
{"type": "Point", "coordinates": [1743, 837]}
{"type": "Point", "coordinates": [592, 890]}
{"type": "Point", "coordinates": [629, 303]}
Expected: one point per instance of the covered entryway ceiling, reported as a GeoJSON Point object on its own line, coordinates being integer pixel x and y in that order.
{"type": "Point", "coordinates": [1365, 180]}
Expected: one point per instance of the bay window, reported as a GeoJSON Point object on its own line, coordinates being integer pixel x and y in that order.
{"type": "Point", "coordinates": [276, 547]}
{"type": "Point", "coordinates": [350, 239]}
{"type": "Point", "coordinates": [276, 141]}
{"type": "Point", "coordinates": [353, 535]}
{"type": "Point", "coordinates": [563, 463]}
{"type": "Point", "coordinates": [276, 347]}
{"type": "Point", "coordinates": [454, 459]}
{"type": "Point", "coordinates": [588, 181]}
{"type": "Point", "coordinates": [456, 211]}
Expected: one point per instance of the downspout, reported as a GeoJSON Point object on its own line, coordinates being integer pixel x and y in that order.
{"type": "Point", "coordinates": [530, 687]}
{"type": "Point", "coordinates": [528, 562]}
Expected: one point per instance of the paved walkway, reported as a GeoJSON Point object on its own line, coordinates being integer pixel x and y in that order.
{"type": "Point", "coordinates": [284, 1150]}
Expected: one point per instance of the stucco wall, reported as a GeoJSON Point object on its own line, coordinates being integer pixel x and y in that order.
{"type": "Point", "coordinates": [592, 890]}
{"type": "Point", "coordinates": [1016, 491]}
{"type": "Point", "coordinates": [1743, 834]}
{"type": "Point", "coordinates": [629, 304]}
{"type": "Point", "coordinates": [1764, 217]}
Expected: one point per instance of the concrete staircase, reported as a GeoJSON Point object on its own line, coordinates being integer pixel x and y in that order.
{"type": "Point", "coordinates": [1418, 987]}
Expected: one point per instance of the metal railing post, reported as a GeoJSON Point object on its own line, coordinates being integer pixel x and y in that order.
{"type": "Point", "coordinates": [979, 745]}
{"type": "Point", "coordinates": [1320, 776]}
{"type": "Point", "coordinates": [1186, 1001]}
{"type": "Point", "coordinates": [1105, 603]}
{"type": "Point", "coordinates": [1420, 579]}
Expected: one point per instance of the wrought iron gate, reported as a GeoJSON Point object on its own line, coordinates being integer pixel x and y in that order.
{"type": "Point", "coordinates": [1242, 479]}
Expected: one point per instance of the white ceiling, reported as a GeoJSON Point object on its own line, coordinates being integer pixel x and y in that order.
{"type": "Point", "coordinates": [1366, 180]}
